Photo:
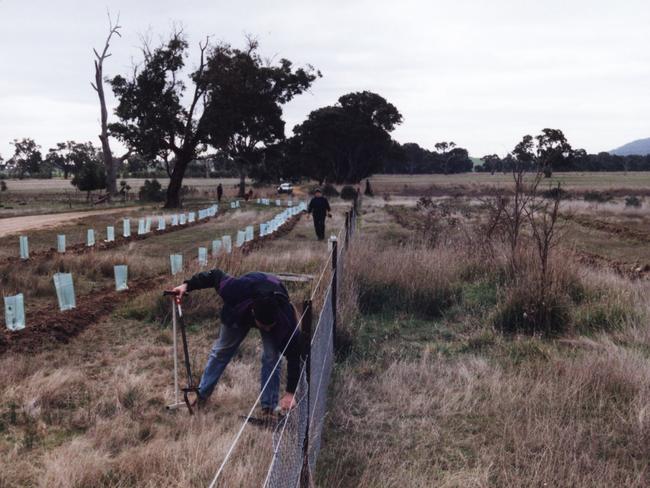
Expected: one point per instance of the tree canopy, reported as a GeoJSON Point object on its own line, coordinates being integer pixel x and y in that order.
{"type": "Point", "coordinates": [411, 158]}
{"type": "Point", "coordinates": [235, 105]}
{"type": "Point", "coordinates": [243, 113]}
{"type": "Point", "coordinates": [27, 160]}
{"type": "Point", "coordinates": [347, 141]}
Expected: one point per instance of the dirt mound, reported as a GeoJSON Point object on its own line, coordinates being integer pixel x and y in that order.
{"type": "Point", "coordinates": [48, 325]}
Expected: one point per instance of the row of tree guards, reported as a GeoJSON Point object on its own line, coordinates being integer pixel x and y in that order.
{"type": "Point", "coordinates": [145, 226]}
{"type": "Point", "coordinates": [64, 286]}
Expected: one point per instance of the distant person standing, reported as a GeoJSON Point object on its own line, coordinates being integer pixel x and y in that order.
{"type": "Point", "coordinates": [219, 192]}
{"type": "Point", "coordinates": [319, 208]}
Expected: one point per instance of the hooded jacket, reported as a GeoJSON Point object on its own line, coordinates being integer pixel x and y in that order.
{"type": "Point", "coordinates": [238, 295]}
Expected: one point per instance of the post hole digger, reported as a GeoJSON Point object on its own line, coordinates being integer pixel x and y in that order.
{"type": "Point", "coordinates": [177, 316]}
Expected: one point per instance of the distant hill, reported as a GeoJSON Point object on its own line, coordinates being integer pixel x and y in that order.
{"type": "Point", "coordinates": [640, 147]}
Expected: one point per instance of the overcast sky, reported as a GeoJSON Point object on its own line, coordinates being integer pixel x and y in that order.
{"type": "Point", "coordinates": [480, 73]}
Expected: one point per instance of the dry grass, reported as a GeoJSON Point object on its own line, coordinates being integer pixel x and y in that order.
{"type": "Point", "coordinates": [448, 401]}
{"type": "Point", "coordinates": [92, 413]}
{"type": "Point", "coordinates": [427, 392]}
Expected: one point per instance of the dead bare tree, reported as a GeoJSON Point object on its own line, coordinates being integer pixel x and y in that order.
{"type": "Point", "coordinates": [110, 163]}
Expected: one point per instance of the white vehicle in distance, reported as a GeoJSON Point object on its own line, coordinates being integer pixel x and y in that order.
{"type": "Point", "coordinates": [285, 188]}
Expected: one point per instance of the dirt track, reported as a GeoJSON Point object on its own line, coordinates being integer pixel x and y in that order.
{"type": "Point", "coordinates": [15, 225]}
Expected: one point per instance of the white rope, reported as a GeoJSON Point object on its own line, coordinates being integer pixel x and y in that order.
{"type": "Point", "coordinates": [325, 268]}
{"type": "Point", "coordinates": [257, 400]}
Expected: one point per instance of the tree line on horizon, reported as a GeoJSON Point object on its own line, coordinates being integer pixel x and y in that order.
{"type": "Point", "coordinates": [225, 118]}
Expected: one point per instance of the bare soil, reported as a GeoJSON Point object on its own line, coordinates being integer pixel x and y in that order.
{"type": "Point", "coordinates": [48, 326]}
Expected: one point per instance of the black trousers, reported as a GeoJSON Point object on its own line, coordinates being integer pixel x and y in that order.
{"type": "Point", "coordinates": [319, 227]}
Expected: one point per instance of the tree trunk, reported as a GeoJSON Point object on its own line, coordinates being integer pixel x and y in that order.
{"type": "Point", "coordinates": [176, 183]}
{"type": "Point", "coordinates": [109, 163]}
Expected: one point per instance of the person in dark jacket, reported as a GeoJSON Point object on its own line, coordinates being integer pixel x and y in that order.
{"type": "Point", "coordinates": [219, 192]}
{"type": "Point", "coordinates": [319, 208]}
{"type": "Point", "coordinates": [257, 300]}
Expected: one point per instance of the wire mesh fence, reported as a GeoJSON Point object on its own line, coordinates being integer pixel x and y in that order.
{"type": "Point", "coordinates": [288, 438]}
{"type": "Point", "coordinates": [321, 360]}
{"type": "Point", "coordinates": [297, 438]}
{"type": "Point", "coordinates": [295, 457]}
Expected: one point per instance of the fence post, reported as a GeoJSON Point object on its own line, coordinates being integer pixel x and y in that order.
{"type": "Point", "coordinates": [305, 474]}
{"type": "Point", "coordinates": [348, 223]}
{"type": "Point", "coordinates": [335, 256]}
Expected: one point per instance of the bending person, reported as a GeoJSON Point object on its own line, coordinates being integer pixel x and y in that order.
{"type": "Point", "coordinates": [256, 300]}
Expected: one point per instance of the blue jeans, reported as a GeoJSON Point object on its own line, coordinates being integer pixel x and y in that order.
{"type": "Point", "coordinates": [225, 347]}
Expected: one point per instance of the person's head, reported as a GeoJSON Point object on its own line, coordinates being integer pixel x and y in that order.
{"type": "Point", "coordinates": [265, 312]}
{"type": "Point", "coordinates": [317, 192]}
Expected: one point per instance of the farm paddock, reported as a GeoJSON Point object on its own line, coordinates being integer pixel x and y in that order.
{"type": "Point", "coordinates": [428, 389]}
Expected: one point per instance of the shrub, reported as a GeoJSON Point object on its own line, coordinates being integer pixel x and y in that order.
{"type": "Point", "coordinates": [632, 201]}
{"type": "Point", "coordinates": [330, 190]}
{"type": "Point", "coordinates": [556, 192]}
{"type": "Point", "coordinates": [348, 192]}
{"type": "Point", "coordinates": [596, 196]}
{"type": "Point", "coordinates": [523, 311]}
{"type": "Point", "coordinates": [151, 191]}
{"type": "Point", "coordinates": [3, 185]}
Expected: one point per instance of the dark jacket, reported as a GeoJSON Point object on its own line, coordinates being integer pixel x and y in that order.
{"type": "Point", "coordinates": [238, 295]}
{"type": "Point", "coordinates": [318, 207]}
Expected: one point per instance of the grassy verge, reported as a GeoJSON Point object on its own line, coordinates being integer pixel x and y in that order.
{"type": "Point", "coordinates": [447, 399]}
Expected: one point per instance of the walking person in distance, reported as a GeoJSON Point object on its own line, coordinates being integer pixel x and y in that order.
{"type": "Point", "coordinates": [319, 208]}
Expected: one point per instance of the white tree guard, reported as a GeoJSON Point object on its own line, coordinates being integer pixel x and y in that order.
{"type": "Point", "coordinates": [64, 291]}
{"type": "Point", "coordinates": [126, 228]}
{"type": "Point", "coordinates": [24, 247]}
{"type": "Point", "coordinates": [176, 261]}
{"type": "Point", "coordinates": [60, 243]}
{"type": "Point", "coordinates": [110, 233]}
{"type": "Point", "coordinates": [161, 223]}
{"type": "Point", "coordinates": [227, 243]}
{"type": "Point", "coordinates": [121, 277]}
{"type": "Point", "coordinates": [216, 247]}
{"type": "Point", "coordinates": [15, 312]}
{"type": "Point", "coordinates": [241, 238]}
{"type": "Point", "coordinates": [203, 256]}
{"type": "Point", "coordinates": [90, 238]}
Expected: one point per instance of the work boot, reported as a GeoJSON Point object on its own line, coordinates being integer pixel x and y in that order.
{"type": "Point", "coordinates": [199, 402]}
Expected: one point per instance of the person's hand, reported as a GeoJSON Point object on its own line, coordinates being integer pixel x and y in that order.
{"type": "Point", "coordinates": [180, 289]}
{"type": "Point", "coordinates": [287, 402]}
